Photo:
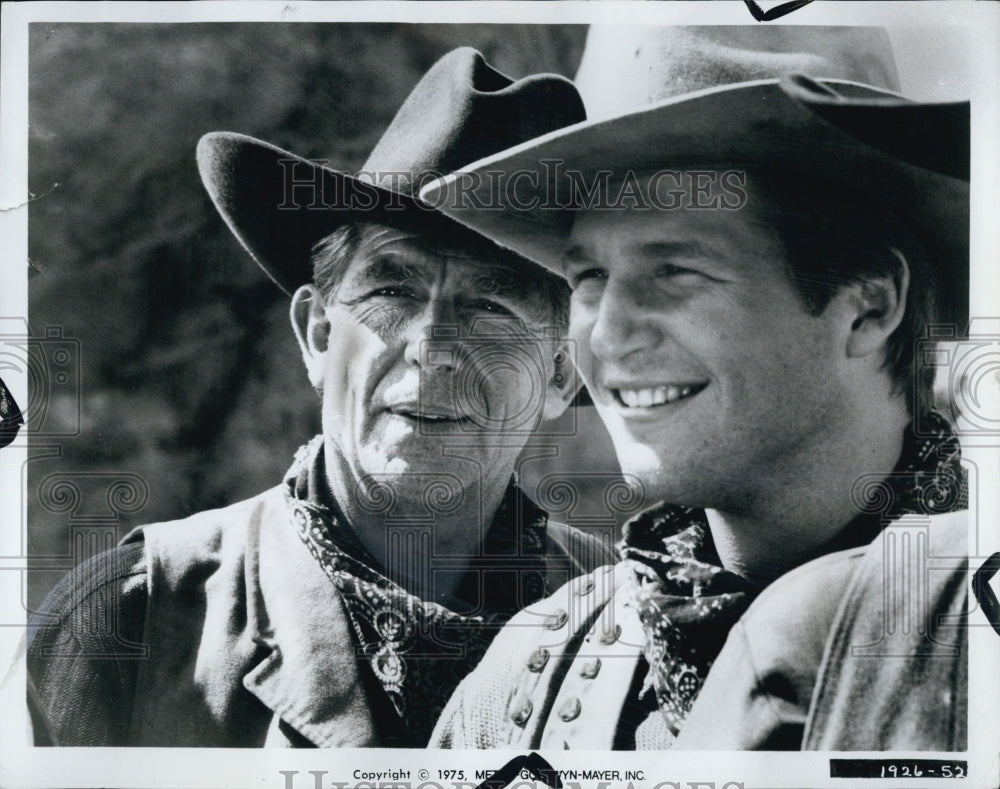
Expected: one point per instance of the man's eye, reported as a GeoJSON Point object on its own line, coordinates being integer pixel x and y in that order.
{"type": "Point", "coordinates": [590, 274]}
{"type": "Point", "coordinates": [491, 306]}
{"type": "Point", "coordinates": [393, 292]}
{"type": "Point", "coordinates": [678, 274]}
{"type": "Point", "coordinates": [670, 270]}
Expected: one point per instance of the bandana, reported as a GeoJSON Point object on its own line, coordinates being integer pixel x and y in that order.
{"type": "Point", "coordinates": [688, 602]}
{"type": "Point", "coordinates": [419, 650]}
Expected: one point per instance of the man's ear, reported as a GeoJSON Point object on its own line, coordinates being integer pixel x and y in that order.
{"type": "Point", "coordinates": [878, 306]}
{"type": "Point", "coordinates": [312, 330]}
{"type": "Point", "coordinates": [564, 383]}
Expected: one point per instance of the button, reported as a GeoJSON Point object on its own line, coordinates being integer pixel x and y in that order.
{"type": "Point", "coordinates": [538, 659]}
{"type": "Point", "coordinates": [590, 668]}
{"type": "Point", "coordinates": [570, 709]}
{"type": "Point", "coordinates": [610, 636]}
{"type": "Point", "coordinates": [556, 620]}
{"type": "Point", "coordinates": [688, 684]}
{"type": "Point", "coordinates": [585, 586]}
{"type": "Point", "coordinates": [520, 710]}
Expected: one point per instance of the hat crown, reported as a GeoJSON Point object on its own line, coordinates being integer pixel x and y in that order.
{"type": "Point", "coordinates": [624, 67]}
{"type": "Point", "coordinates": [462, 110]}
{"type": "Point", "coordinates": [279, 205]}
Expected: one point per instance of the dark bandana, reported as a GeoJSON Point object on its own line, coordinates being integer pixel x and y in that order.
{"type": "Point", "coordinates": [686, 600]}
{"type": "Point", "coordinates": [419, 650]}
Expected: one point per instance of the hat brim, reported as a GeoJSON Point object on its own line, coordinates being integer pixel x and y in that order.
{"type": "Point", "coordinates": [278, 204]}
{"type": "Point", "coordinates": [924, 135]}
{"type": "Point", "coordinates": [744, 126]}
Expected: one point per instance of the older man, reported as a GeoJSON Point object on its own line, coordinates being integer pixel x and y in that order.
{"type": "Point", "coordinates": [342, 607]}
{"type": "Point", "coordinates": [753, 266]}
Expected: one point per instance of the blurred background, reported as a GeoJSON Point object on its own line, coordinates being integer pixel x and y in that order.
{"type": "Point", "coordinates": [185, 388]}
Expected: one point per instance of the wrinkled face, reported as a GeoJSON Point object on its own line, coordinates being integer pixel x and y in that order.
{"type": "Point", "coordinates": [428, 349]}
{"type": "Point", "coordinates": [700, 357]}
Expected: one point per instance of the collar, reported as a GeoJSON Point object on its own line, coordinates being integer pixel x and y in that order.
{"type": "Point", "coordinates": [418, 650]}
{"type": "Point", "coordinates": [928, 479]}
{"type": "Point", "coordinates": [518, 531]}
{"type": "Point", "coordinates": [308, 674]}
{"type": "Point", "coordinates": [688, 602]}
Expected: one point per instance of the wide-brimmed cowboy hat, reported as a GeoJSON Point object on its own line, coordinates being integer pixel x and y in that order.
{"type": "Point", "coordinates": [279, 205]}
{"type": "Point", "coordinates": [913, 156]}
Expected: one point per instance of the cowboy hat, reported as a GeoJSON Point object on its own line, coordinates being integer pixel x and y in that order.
{"type": "Point", "coordinates": [835, 128]}
{"type": "Point", "coordinates": [630, 66]}
{"type": "Point", "coordinates": [278, 205]}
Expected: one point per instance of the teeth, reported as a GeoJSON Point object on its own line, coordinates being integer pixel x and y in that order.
{"type": "Point", "coordinates": [644, 398]}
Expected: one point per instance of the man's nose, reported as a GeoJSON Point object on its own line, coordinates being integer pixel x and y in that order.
{"type": "Point", "coordinates": [432, 336]}
{"type": "Point", "coordinates": [625, 320]}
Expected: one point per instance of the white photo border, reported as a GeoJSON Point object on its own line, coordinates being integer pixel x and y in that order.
{"type": "Point", "coordinates": [22, 765]}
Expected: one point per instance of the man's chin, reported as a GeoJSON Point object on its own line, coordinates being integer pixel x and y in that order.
{"type": "Point", "coordinates": [399, 465]}
{"type": "Point", "coordinates": [417, 483]}
{"type": "Point", "coordinates": [638, 459]}
{"type": "Point", "coordinates": [408, 459]}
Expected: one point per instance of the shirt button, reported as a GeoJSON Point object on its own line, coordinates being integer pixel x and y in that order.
{"type": "Point", "coordinates": [590, 668]}
{"type": "Point", "coordinates": [520, 710]}
{"type": "Point", "coordinates": [610, 636]}
{"type": "Point", "coordinates": [538, 659]}
{"type": "Point", "coordinates": [556, 620]}
{"type": "Point", "coordinates": [570, 710]}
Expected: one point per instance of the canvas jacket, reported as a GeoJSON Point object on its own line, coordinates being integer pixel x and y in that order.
{"type": "Point", "coordinates": [561, 674]}
{"type": "Point", "coordinates": [218, 630]}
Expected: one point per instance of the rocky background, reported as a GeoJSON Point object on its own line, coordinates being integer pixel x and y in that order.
{"type": "Point", "coordinates": [189, 391]}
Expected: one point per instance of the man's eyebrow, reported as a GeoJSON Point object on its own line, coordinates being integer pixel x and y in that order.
{"type": "Point", "coordinates": [384, 269]}
{"type": "Point", "coordinates": [503, 282]}
{"type": "Point", "coordinates": [671, 249]}
{"type": "Point", "coordinates": [655, 250]}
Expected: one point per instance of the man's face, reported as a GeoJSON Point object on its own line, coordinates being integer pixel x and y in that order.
{"type": "Point", "coordinates": [428, 352]}
{"type": "Point", "coordinates": [700, 357]}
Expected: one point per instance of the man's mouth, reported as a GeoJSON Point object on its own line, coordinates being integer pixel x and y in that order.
{"type": "Point", "coordinates": [426, 416]}
{"type": "Point", "coordinates": [649, 397]}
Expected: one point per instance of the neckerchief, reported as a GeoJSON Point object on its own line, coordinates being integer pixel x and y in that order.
{"type": "Point", "coordinates": [688, 602]}
{"type": "Point", "coordinates": [419, 650]}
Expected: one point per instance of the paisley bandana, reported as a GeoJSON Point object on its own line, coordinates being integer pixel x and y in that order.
{"type": "Point", "coordinates": [688, 602]}
{"type": "Point", "coordinates": [419, 650]}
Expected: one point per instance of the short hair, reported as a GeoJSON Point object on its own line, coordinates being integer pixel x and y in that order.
{"type": "Point", "coordinates": [834, 236]}
{"type": "Point", "coordinates": [332, 254]}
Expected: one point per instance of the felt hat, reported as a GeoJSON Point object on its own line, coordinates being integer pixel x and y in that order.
{"type": "Point", "coordinates": [279, 205]}
{"type": "Point", "coordinates": [625, 67]}
{"type": "Point", "coordinates": [738, 108]}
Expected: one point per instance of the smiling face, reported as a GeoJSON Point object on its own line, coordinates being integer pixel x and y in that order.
{"type": "Point", "coordinates": [420, 348]}
{"type": "Point", "coordinates": [700, 357]}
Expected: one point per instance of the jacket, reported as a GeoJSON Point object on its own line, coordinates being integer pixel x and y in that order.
{"type": "Point", "coordinates": [218, 630]}
{"type": "Point", "coordinates": [829, 657]}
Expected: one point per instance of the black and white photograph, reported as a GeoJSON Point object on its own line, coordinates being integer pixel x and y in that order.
{"type": "Point", "coordinates": [500, 394]}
